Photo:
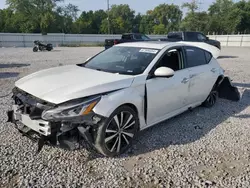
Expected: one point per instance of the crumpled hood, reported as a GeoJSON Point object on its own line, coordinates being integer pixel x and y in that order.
{"type": "Point", "coordinates": [60, 84]}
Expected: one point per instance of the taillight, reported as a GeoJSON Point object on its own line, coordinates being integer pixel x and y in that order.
{"type": "Point", "coordinates": [115, 42]}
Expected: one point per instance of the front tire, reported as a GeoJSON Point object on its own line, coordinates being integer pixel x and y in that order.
{"type": "Point", "coordinates": [114, 136]}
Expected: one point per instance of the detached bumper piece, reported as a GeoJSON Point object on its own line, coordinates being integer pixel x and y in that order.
{"type": "Point", "coordinates": [228, 91]}
{"type": "Point", "coordinates": [65, 135]}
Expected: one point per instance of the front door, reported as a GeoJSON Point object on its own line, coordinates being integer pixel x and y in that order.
{"type": "Point", "coordinates": [167, 95]}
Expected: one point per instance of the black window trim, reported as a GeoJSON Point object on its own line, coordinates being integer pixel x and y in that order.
{"type": "Point", "coordinates": [151, 72]}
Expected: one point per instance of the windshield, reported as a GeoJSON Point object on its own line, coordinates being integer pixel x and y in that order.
{"type": "Point", "coordinates": [122, 60]}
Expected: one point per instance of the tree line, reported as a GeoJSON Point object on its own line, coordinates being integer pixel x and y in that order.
{"type": "Point", "coordinates": [49, 16]}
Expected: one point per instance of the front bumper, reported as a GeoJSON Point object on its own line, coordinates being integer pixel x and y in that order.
{"type": "Point", "coordinates": [62, 134]}
{"type": "Point", "coordinates": [40, 126]}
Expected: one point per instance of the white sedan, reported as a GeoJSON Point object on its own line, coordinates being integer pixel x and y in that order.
{"type": "Point", "coordinates": [118, 92]}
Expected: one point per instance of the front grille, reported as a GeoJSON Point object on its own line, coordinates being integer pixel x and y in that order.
{"type": "Point", "coordinates": [29, 104]}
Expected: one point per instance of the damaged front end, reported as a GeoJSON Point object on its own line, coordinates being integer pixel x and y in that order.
{"type": "Point", "coordinates": [227, 91]}
{"type": "Point", "coordinates": [45, 123]}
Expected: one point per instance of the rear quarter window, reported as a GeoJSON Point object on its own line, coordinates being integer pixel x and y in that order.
{"type": "Point", "coordinates": [208, 56]}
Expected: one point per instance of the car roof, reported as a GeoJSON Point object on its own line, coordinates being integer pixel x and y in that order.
{"type": "Point", "coordinates": [150, 44]}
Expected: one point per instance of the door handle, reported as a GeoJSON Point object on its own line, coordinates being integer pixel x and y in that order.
{"type": "Point", "coordinates": [185, 80]}
{"type": "Point", "coordinates": [213, 70]}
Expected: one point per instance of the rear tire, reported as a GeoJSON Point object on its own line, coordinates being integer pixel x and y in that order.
{"type": "Point", "coordinates": [115, 135]}
{"type": "Point", "coordinates": [211, 99]}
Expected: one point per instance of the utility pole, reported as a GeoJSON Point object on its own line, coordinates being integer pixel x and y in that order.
{"type": "Point", "coordinates": [108, 18]}
{"type": "Point", "coordinates": [199, 5]}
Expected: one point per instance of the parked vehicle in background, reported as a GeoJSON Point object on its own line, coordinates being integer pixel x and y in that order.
{"type": "Point", "coordinates": [122, 90]}
{"type": "Point", "coordinates": [187, 37]}
{"type": "Point", "coordinates": [192, 36]}
{"type": "Point", "coordinates": [41, 46]}
{"type": "Point", "coordinates": [130, 37]}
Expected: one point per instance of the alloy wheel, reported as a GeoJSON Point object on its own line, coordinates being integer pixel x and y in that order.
{"type": "Point", "coordinates": [120, 131]}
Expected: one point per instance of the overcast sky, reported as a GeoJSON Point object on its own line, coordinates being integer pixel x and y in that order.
{"type": "Point", "coordinates": [138, 5]}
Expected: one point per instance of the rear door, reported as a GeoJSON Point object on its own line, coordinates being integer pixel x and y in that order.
{"type": "Point", "coordinates": [202, 73]}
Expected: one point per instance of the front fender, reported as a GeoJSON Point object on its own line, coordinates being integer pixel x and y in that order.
{"type": "Point", "coordinates": [113, 100]}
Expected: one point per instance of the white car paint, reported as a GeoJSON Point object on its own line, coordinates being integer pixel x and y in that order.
{"type": "Point", "coordinates": [163, 71]}
{"type": "Point", "coordinates": [57, 85]}
{"type": "Point", "coordinates": [215, 51]}
{"type": "Point", "coordinates": [157, 109]}
{"type": "Point", "coordinates": [202, 80]}
{"type": "Point", "coordinates": [167, 97]}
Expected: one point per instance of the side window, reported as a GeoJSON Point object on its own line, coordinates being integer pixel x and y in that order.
{"type": "Point", "coordinates": [201, 37]}
{"type": "Point", "coordinates": [195, 56]}
{"type": "Point", "coordinates": [208, 56]}
{"type": "Point", "coordinates": [177, 35]}
{"type": "Point", "coordinates": [172, 59]}
{"type": "Point", "coordinates": [128, 37]}
{"type": "Point", "coordinates": [191, 36]}
{"type": "Point", "coordinates": [138, 37]}
{"type": "Point", "coordinates": [144, 37]}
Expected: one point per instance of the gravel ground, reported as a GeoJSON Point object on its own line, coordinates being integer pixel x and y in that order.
{"type": "Point", "coordinates": [202, 148]}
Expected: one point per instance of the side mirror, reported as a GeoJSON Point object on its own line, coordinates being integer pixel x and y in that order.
{"type": "Point", "coordinates": [164, 72]}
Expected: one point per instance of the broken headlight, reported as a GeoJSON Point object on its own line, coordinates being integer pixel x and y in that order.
{"type": "Point", "coordinates": [71, 109]}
